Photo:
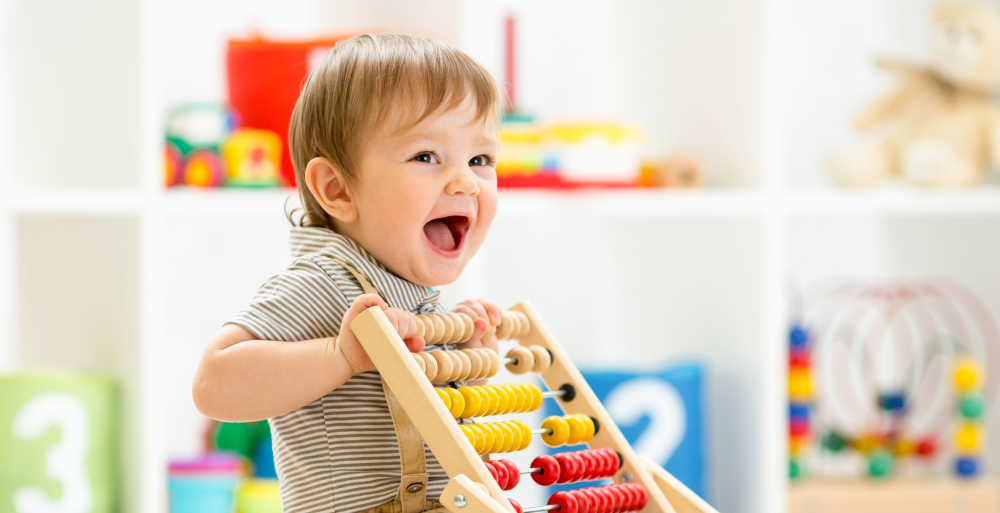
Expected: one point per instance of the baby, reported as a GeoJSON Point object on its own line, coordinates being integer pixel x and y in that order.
{"type": "Point", "coordinates": [394, 144]}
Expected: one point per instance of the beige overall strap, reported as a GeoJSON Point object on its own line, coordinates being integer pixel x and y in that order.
{"type": "Point", "coordinates": [413, 464]}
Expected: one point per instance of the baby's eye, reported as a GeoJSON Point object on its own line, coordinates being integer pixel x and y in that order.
{"type": "Point", "coordinates": [426, 158]}
{"type": "Point", "coordinates": [481, 160]}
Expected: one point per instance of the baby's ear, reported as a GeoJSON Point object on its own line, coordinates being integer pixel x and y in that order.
{"type": "Point", "coordinates": [327, 184]}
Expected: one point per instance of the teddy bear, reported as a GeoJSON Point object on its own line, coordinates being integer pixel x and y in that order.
{"type": "Point", "coordinates": [941, 126]}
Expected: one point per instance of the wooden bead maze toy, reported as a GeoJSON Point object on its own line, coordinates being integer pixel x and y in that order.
{"type": "Point", "coordinates": [476, 485]}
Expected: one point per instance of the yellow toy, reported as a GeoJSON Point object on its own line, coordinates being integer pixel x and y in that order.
{"type": "Point", "coordinates": [941, 127]}
{"type": "Point", "coordinates": [253, 158]}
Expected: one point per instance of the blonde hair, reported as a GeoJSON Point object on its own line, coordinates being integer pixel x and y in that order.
{"type": "Point", "coordinates": [363, 80]}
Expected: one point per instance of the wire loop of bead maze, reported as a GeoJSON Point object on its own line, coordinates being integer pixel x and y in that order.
{"type": "Point", "coordinates": [475, 485]}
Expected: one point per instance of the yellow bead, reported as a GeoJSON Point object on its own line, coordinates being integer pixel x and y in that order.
{"type": "Point", "coordinates": [968, 374]}
{"type": "Point", "coordinates": [484, 400]}
{"type": "Point", "coordinates": [498, 438]}
{"type": "Point", "coordinates": [968, 439]}
{"type": "Point", "coordinates": [536, 397]}
{"type": "Point", "coordinates": [480, 442]}
{"type": "Point", "coordinates": [502, 398]}
{"type": "Point", "coordinates": [493, 400]}
{"type": "Point", "coordinates": [519, 398]}
{"type": "Point", "coordinates": [591, 428]}
{"type": "Point", "coordinates": [525, 433]}
{"type": "Point", "coordinates": [577, 430]}
{"type": "Point", "coordinates": [457, 401]}
{"type": "Point", "coordinates": [516, 436]}
{"type": "Point", "coordinates": [444, 398]}
{"type": "Point", "coordinates": [470, 435]}
{"type": "Point", "coordinates": [905, 448]}
{"type": "Point", "coordinates": [523, 387]}
{"type": "Point", "coordinates": [799, 384]}
{"type": "Point", "coordinates": [867, 443]}
{"type": "Point", "coordinates": [559, 431]}
{"type": "Point", "coordinates": [488, 436]}
{"type": "Point", "coordinates": [797, 445]}
{"type": "Point", "coordinates": [508, 436]}
{"type": "Point", "coordinates": [472, 401]}
{"type": "Point", "coordinates": [511, 398]}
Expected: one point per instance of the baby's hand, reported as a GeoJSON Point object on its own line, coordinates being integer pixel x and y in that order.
{"type": "Point", "coordinates": [404, 322]}
{"type": "Point", "coordinates": [485, 314]}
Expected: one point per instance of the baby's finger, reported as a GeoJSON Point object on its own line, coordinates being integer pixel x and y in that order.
{"type": "Point", "coordinates": [366, 301]}
{"type": "Point", "coordinates": [475, 307]}
{"type": "Point", "coordinates": [492, 309]}
{"type": "Point", "coordinates": [481, 326]}
{"type": "Point", "coordinates": [414, 344]}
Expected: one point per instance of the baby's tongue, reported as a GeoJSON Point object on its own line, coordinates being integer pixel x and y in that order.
{"type": "Point", "coordinates": [440, 235]}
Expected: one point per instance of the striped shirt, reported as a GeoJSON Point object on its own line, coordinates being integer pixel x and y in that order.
{"type": "Point", "coordinates": [338, 453]}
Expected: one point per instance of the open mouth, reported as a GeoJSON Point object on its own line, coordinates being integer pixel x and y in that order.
{"type": "Point", "coordinates": [446, 234]}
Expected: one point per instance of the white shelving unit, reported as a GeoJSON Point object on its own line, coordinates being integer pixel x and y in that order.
{"type": "Point", "coordinates": [101, 269]}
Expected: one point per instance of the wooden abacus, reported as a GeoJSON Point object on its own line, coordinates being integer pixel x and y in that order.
{"type": "Point", "coordinates": [477, 486]}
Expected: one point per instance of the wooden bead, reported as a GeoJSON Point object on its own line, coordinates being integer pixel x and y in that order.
{"type": "Point", "coordinates": [466, 364]}
{"type": "Point", "coordinates": [475, 363]}
{"type": "Point", "coordinates": [490, 333]}
{"type": "Point", "coordinates": [505, 328]}
{"type": "Point", "coordinates": [425, 328]}
{"type": "Point", "coordinates": [543, 360]}
{"type": "Point", "coordinates": [515, 326]}
{"type": "Point", "coordinates": [485, 357]}
{"type": "Point", "coordinates": [430, 365]}
{"type": "Point", "coordinates": [525, 325]}
{"type": "Point", "coordinates": [460, 335]}
{"type": "Point", "coordinates": [447, 328]}
{"type": "Point", "coordinates": [525, 360]}
{"type": "Point", "coordinates": [445, 366]}
{"type": "Point", "coordinates": [420, 362]}
{"type": "Point", "coordinates": [470, 327]}
{"type": "Point", "coordinates": [456, 365]}
{"type": "Point", "coordinates": [494, 362]}
{"type": "Point", "coordinates": [438, 328]}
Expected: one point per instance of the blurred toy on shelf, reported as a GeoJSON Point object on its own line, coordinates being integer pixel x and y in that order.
{"type": "Point", "coordinates": [941, 126]}
{"type": "Point", "coordinates": [258, 496]}
{"type": "Point", "coordinates": [205, 149]}
{"type": "Point", "coordinates": [264, 78]}
{"type": "Point", "coordinates": [568, 154]}
{"type": "Point", "coordinates": [252, 440]}
{"type": "Point", "coordinates": [195, 134]}
{"type": "Point", "coordinates": [206, 484]}
{"type": "Point", "coordinates": [680, 171]}
{"type": "Point", "coordinates": [59, 443]}
{"type": "Point", "coordinates": [253, 158]}
{"type": "Point", "coordinates": [880, 373]}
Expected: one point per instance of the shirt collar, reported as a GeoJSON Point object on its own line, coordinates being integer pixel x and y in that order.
{"type": "Point", "coordinates": [396, 291]}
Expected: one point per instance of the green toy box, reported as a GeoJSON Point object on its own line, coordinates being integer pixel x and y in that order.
{"type": "Point", "coordinates": [58, 443]}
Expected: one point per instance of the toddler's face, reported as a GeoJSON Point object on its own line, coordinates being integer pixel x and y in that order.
{"type": "Point", "coordinates": [426, 196]}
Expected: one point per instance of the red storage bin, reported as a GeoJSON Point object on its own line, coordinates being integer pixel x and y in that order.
{"type": "Point", "coordinates": [265, 78]}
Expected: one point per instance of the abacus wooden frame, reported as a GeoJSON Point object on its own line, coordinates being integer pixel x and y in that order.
{"type": "Point", "coordinates": [468, 473]}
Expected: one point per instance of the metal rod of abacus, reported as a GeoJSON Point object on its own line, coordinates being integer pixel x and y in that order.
{"type": "Point", "coordinates": [508, 361]}
{"type": "Point", "coordinates": [536, 509]}
{"type": "Point", "coordinates": [530, 471]}
{"type": "Point", "coordinates": [541, 431]}
{"type": "Point", "coordinates": [554, 393]}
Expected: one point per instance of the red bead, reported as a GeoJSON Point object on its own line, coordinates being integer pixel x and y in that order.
{"type": "Point", "coordinates": [617, 499]}
{"type": "Point", "coordinates": [798, 358]}
{"type": "Point", "coordinates": [927, 447]}
{"type": "Point", "coordinates": [614, 460]}
{"type": "Point", "coordinates": [582, 502]}
{"type": "Point", "coordinates": [566, 502]}
{"type": "Point", "coordinates": [643, 496]}
{"type": "Point", "coordinates": [581, 467]}
{"type": "Point", "coordinates": [600, 464]}
{"type": "Point", "coordinates": [632, 497]}
{"type": "Point", "coordinates": [590, 463]}
{"type": "Point", "coordinates": [613, 505]}
{"type": "Point", "coordinates": [516, 505]}
{"type": "Point", "coordinates": [513, 474]}
{"type": "Point", "coordinates": [567, 468]}
{"type": "Point", "coordinates": [493, 471]}
{"type": "Point", "coordinates": [549, 475]}
{"type": "Point", "coordinates": [501, 474]}
{"type": "Point", "coordinates": [597, 499]}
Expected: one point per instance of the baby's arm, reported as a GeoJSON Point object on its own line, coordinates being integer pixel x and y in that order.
{"type": "Point", "coordinates": [242, 379]}
{"type": "Point", "coordinates": [485, 313]}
